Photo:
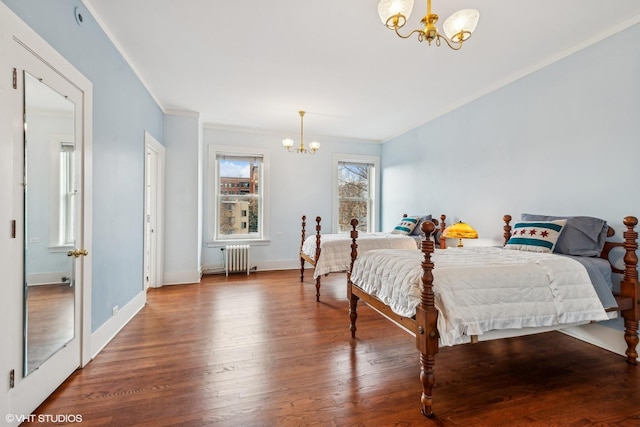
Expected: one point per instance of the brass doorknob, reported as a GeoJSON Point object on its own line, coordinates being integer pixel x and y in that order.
{"type": "Point", "coordinates": [77, 252]}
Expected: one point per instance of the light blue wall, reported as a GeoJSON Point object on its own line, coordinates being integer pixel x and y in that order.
{"type": "Point", "coordinates": [299, 184]}
{"type": "Point", "coordinates": [563, 140]}
{"type": "Point", "coordinates": [122, 111]}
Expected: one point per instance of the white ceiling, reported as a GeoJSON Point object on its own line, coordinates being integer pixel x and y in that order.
{"type": "Point", "coordinates": [254, 64]}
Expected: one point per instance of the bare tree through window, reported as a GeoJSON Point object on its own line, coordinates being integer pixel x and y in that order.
{"type": "Point", "coordinates": [354, 195]}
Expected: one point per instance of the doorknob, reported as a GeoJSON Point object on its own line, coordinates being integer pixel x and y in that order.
{"type": "Point", "coordinates": [77, 252]}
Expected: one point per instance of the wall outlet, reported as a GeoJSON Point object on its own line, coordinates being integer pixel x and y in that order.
{"type": "Point", "coordinates": [278, 233]}
{"type": "Point", "coordinates": [115, 310]}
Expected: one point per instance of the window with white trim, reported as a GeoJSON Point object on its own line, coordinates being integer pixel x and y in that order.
{"type": "Point", "coordinates": [67, 194]}
{"type": "Point", "coordinates": [237, 201]}
{"type": "Point", "coordinates": [356, 193]}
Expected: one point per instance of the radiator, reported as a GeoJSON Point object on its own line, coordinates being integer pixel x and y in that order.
{"type": "Point", "coordinates": [237, 258]}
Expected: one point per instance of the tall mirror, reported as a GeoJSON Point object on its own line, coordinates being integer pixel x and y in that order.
{"type": "Point", "coordinates": [49, 232]}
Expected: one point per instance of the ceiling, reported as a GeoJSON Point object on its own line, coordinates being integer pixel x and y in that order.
{"type": "Point", "coordinates": [254, 64]}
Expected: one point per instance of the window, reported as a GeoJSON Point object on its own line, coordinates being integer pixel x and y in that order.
{"type": "Point", "coordinates": [356, 190]}
{"type": "Point", "coordinates": [237, 194]}
{"type": "Point", "coordinates": [63, 193]}
{"type": "Point", "coordinates": [67, 194]}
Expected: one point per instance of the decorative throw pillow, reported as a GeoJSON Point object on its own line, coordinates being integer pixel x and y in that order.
{"type": "Point", "coordinates": [535, 236]}
{"type": "Point", "coordinates": [417, 231]}
{"type": "Point", "coordinates": [582, 235]}
{"type": "Point", "coordinates": [406, 226]}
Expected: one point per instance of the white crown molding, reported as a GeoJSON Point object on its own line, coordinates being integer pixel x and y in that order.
{"type": "Point", "coordinates": [120, 49]}
{"type": "Point", "coordinates": [182, 113]}
{"type": "Point", "coordinates": [231, 128]}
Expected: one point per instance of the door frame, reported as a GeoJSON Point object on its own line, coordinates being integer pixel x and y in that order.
{"type": "Point", "coordinates": [154, 182]}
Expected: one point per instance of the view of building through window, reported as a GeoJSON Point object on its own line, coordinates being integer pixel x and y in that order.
{"type": "Point", "coordinates": [239, 196]}
{"type": "Point", "coordinates": [354, 195]}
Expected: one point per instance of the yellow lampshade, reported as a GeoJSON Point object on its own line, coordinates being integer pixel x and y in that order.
{"type": "Point", "coordinates": [460, 230]}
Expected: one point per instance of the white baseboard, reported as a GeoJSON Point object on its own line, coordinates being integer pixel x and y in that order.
{"type": "Point", "coordinates": [258, 266]}
{"type": "Point", "coordinates": [181, 277]}
{"type": "Point", "coordinates": [105, 333]}
{"type": "Point", "coordinates": [601, 336]}
{"type": "Point", "coordinates": [35, 279]}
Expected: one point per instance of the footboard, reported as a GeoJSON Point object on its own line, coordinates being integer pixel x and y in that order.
{"type": "Point", "coordinates": [304, 258]}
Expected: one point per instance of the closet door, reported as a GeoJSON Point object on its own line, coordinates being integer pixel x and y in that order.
{"type": "Point", "coordinates": [47, 290]}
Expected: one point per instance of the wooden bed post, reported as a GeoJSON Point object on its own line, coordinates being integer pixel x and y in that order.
{"type": "Point", "coordinates": [318, 219]}
{"type": "Point", "coordinates": [629, 287]}
{"type": "Point", "coordinates": [353, 299]}
{"type": "Point", "coordinates": [443, 225]}
{"type": "Point", "coordinates": [506, 228]}
{"type": "Point", "coordinates": [303, 237]}
{"type": "Point", "coordinates": [427, 323]}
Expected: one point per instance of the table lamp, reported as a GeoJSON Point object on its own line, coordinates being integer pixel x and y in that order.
{"type": "Point", "coordinates": [460, 230]}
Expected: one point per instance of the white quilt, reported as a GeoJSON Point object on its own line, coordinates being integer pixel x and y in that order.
{"type": "Point", "coordinates": [335, 255]}
{"type": "Point", "coordinates": [483, 288]}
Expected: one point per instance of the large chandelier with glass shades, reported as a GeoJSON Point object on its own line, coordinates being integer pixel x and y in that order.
{"type": "Point", "coordinates": [457, 28]}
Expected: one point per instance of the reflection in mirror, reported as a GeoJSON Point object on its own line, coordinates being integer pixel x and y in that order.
{"type": "Point", "coordinates": [49, 232]}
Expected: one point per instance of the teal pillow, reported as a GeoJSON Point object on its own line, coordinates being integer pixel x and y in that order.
{"type": "Point", "coordinates": [535, 236]}
{"type": "Point", "coordinates": [406, 225]}
{"type": "Point", "coordinates": [582, 235]}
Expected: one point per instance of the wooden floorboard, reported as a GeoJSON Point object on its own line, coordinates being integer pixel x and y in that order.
{"type": "Point", "coordinates": [259, 350]}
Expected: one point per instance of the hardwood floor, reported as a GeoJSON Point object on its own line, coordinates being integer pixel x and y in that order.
{"type": "Point", "coordinates": [259, 350]}
{"type": "Point", "coordinates": [50, 321]}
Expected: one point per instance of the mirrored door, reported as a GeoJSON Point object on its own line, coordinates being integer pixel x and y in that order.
{"type": "Point", "coordinates": [51, 221]}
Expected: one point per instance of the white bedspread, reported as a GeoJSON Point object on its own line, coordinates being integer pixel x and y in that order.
{"type": "Point", "coordinates": [483, 288]}
{"type": "Point", "coordinates": [335, 255]}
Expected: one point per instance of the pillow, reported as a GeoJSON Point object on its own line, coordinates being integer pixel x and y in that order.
{"type": "Point", "coordinates": [535, 236]}
{"type": "Point", "coordinates": [406, 225]}
{"type": "Point", "coordinates": [417, 231]}
{"type": "Point", "coordinates": [582, 235]}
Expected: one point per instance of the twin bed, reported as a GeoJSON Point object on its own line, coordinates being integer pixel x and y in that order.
{"type": "Point", "coordinates": [336, 248]}
{"type": "Point", "coordinates": [460, 295]}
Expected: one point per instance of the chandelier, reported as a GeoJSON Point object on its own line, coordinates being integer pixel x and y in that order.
{"type": "Point", "coordinates": [457, 28]}
{"type": "Point", "coordinates": [288, 143]}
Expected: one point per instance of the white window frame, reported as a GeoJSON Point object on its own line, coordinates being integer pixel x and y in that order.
{"type": "Point", "coordinates": [61, 231]}
{"type": "Point", "coordinates": [374, 186]}
{"type": "Point", "coordinates": [213, 182]}
{"type": "Point", "coordinates": [67, 193]}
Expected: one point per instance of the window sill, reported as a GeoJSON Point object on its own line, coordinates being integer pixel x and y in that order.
{"type": "Point", "coordinates": [61, 248]}
{"type": "Point", "coordinates": [253, 242]}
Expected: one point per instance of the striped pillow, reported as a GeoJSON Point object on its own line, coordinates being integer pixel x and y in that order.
{"type": "Point", "coordinates": [406, 226]}
{"type": "Point", "coordinates": [535, 236]}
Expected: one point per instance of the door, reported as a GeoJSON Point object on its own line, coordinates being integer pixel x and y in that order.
{"type": "Point", "coordinates": [154, 213]}
{"type": "Point", "coordinates": [51, 227]}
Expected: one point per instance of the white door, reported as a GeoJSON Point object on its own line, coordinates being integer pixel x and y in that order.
{"type": "Point", "coordinates": [50, 134]}
{"type": "Point", "coordinates": [154, 213]}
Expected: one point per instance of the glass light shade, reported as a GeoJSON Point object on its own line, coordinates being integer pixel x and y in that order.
{"type": "Point", "coordinates": [388, 8]}
{"type": "Point", "coordinates": [463, 20]}
{"type": "Point", "coordinates": [287, 143]}
{"type": "Point", "coordinates": [314, 146]}
{"type": "Point", "coordinates": [460, 230]}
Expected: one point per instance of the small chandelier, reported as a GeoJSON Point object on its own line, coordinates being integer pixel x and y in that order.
{"type": "Point", "coordinates": [457, 28]}
{"type": "Point", "coordinates": [288, 143]}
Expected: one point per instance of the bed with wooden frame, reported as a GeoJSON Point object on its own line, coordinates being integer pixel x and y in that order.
{"type": "Point", "coordinates": [424, 325]}
{"type": "Point", "coordinates": [374, 240]}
